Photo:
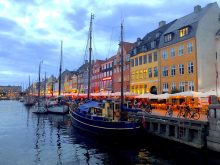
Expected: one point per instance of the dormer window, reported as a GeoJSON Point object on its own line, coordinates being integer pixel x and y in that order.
{"type": "Point", "coordinates": [184, 31]}
{"type": "Point", "coordinates": [168, 37]}
{"type": "Point", "coordinates": [153, 44]}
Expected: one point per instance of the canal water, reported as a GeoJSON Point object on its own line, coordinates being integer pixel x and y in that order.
{"type": "Point", "coordinates": [27, 138]}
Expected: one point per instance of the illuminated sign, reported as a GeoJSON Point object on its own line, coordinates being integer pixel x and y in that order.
{"type": "Point", "coordinates": [107, 78]}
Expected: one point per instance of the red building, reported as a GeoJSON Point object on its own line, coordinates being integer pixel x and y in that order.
{"type": "Point", "coordinates": [126, 68]}
{"type": "Point", "coordinates": [96, 76]}
{"type": "Point", "coordinates": [107, 72]}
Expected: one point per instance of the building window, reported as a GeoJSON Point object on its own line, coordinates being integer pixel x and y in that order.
{"type": "Point", "coordinates": [191, 85]}
{"type": "Point", "coordinates": [184, 31]}
{"type": "Point", "coordinates": [189, 47]}
{"type": "Point", "coordinates": [145, 88]}
{"type": "Point", "coordinates": [173, 86]}
{"type": "Point", "coordinates": [153, 44]}
{"type": "Point", "coordinates": [149, 72]}
{"type": "Point", "coordinates": [168, 37]}
{"type": "Point", "coordinates": [165, 71]}
{"type": "Point", "coordinates": [136, 61]}
{"type": "Point", "coordinates": [181, 69]}
{"type": "Point", "coordinates": [164, 55]}
{"type": "Point", "coordinates": [141, 74]}
{"type": "Point", "coordinates": [133, 76]}
{"type": "Point", "coordinates": [172, 52]}
{"type": "Point", "coordinates": [190, 67]}
{"type": "Point", "coordinates": [136, 75]}
{"type": "Point", "coordinates": [140, 60]}
{"type": "Point", "coordinates": [155, 71]}
{"type": "Point", "coordinates": [155, 56]}
{"type": "Point", "coordinates": [173, 70]}
{"type": "Point", "coordinates": [145, 59]}
{"type": "Point", "coordinates": [182, 86]}
{"type": "Point", "coordinates": [180, 52]}
{"type": "Point", "coordinates": [150, 57]}
{"type": "Point", "coordinates": [165, 87]}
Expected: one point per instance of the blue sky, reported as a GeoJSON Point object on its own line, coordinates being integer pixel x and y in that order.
{"type": "Point", "coordinates": [31, 31]}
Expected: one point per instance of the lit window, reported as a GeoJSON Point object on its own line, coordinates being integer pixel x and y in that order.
{"type": "Point", "coordinates": [184, 31]}
{"type": "Point", "coordinates": [189, 48]}
{"type": "Point", "coordinates": [172, 52]}
{"type": "Point", "coordinates": [141, 74]}
{"type": "Point", "coordinates": [190, 67]}
{"type": "Point", "coordinates": [173, 70]}
{"type": "Point", "coordinates": [181, 69]}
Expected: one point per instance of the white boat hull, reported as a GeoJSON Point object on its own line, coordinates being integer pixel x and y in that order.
{"type": "Point", "coordinates": [59, 109]}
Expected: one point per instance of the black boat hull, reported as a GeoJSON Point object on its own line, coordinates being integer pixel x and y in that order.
{"type": "Point", "coordinates": [108, 129]}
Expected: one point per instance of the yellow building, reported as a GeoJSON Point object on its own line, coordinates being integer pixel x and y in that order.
{"type": "Point", "coordinates": [144, 62]}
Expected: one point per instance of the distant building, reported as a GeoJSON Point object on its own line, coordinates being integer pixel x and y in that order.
{"type": "Point", "coordinates": [96, 76]}
{"type": "Point", "coordinates": [10, 91]}
{"type": "Point", "coordinates": [107, 72]}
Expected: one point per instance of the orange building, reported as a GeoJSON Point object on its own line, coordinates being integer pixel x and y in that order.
{"type": "Point", "coordinates": [188, 51]}
{"type": "Point", "coordinates": [126, 68]}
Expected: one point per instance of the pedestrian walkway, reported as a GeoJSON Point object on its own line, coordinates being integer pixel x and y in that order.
{"type": "Point", "coordinates": [159, 112]}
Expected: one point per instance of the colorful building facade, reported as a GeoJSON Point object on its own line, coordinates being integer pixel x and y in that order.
{"type": "Point", "coordinates": [126, 68]}
{"type": "Point", "coordinates": [188, 51]}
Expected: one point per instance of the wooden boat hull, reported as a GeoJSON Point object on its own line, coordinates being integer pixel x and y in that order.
{"type": "Point", "coordinates": [108, 129]}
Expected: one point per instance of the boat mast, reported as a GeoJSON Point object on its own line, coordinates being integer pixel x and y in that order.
{"type": "Point", "coordinates": [45, 85]}
{"type": "Point", "coordinates": [90, 54]}
{"type": "Point", "coordinates": [39, 83]}
{"type": "Point", "coordinates": [29, 87]}
{"type": "Point", "coordinates": [216, 70]}
{"type": "Point", "coordinates": [122, 64]}
{"type": "Point", "coordinates": [61, 60]}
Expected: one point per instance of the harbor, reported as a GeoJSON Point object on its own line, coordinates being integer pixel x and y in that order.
{"type": "Point", "coordinates": [28, 138]}
{"type": "Point", "coordinates": [148, 96]}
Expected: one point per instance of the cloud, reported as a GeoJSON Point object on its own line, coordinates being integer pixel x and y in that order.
{"type": "Point", "coordinates": [31, 30]}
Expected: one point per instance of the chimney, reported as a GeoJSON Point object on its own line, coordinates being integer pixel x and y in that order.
{"type": "Point", "coordinates": [197, 8]}
{"type": "Point", "coordinates": [162, 23]}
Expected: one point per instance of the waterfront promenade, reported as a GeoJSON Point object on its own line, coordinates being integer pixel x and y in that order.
{"type": "Point", "coordinates": [160, 112]}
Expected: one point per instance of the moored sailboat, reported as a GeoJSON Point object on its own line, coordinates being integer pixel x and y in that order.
{"type": "Point", "coordinates": [40, 106]}
{"type": "Point", "coordinates": [29, 100]}
{"type": "Point", "coordinates": [109, 118]}
{"type": "Point", "coordinates": [59, 104]}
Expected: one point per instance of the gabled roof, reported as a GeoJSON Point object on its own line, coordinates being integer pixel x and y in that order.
{"type": "Point", "coordinates": [144, 45]}
{"type": "Point", "coordinates": [191, 20]}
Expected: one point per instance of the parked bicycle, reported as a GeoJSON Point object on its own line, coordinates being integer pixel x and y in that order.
{"type": "Point", "coordinates": [169, 111]}
{"type": "Point", "coordinates": [189, 113]}
{"type": "Point", "coordinates": [148, 110]}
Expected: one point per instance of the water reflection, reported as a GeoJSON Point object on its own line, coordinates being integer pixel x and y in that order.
{"type": "Point", "coordinates": [50, 139]}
